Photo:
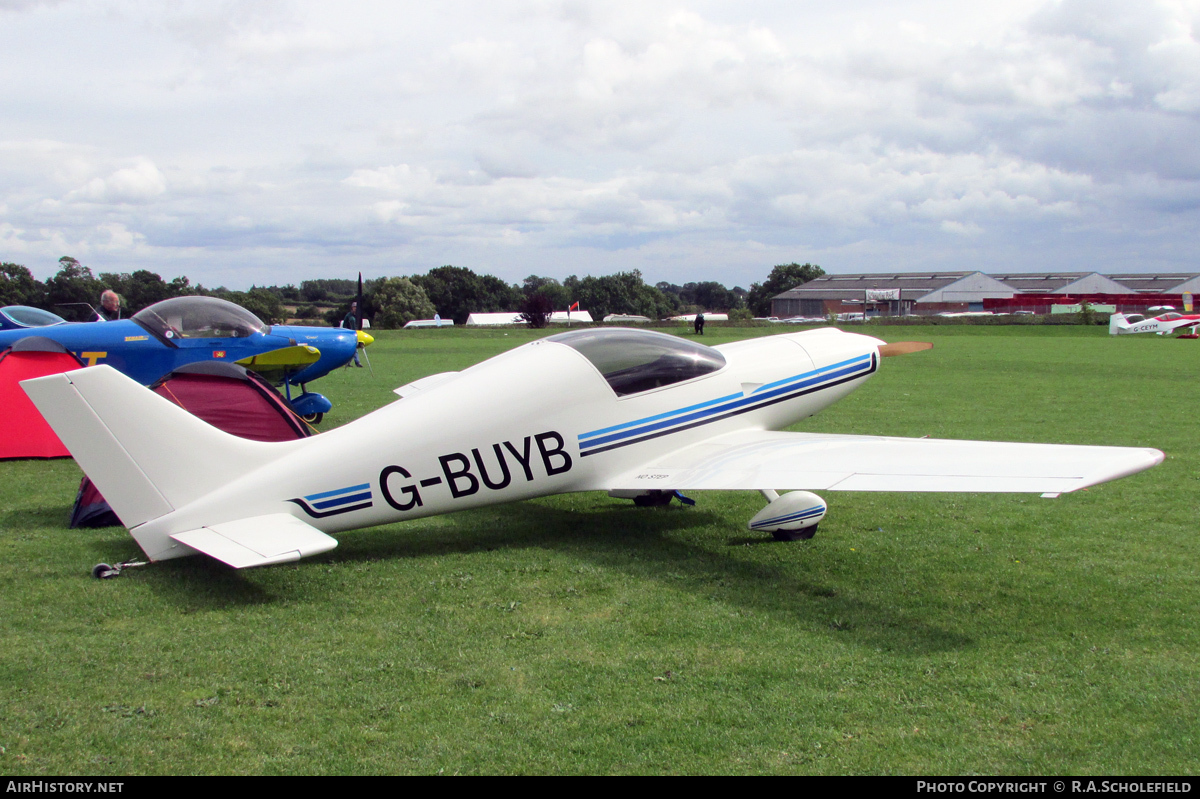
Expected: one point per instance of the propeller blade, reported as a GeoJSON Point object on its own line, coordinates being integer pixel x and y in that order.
{"type": "Point", "coordinates": [904, 348]}
{"type": "Point", "coordinates": [358, 317]}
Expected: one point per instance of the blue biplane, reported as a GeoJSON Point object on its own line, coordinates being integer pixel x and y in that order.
{"type": "Point", "coordinates": [182, 330]}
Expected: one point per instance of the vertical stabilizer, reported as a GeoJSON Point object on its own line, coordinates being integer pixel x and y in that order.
{"type": "Point", "coordinates": [147, 455]}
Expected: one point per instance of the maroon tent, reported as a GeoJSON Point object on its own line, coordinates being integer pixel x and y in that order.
{"type": "Point", "coordinates": [26, 433]}
{"type": "Point", "coordinates": [226, 396]}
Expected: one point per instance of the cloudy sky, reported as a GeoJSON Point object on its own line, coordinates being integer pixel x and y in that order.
{"type": "Point", "coordinates": [278, 140]}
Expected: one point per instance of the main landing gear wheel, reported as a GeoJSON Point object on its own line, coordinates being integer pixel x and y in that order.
{"type": "Point", "coordinates": [655, 499]}
{"type": "Point", "coordinates": [313, 418]}
{"type": "Point", "coordinates": [795, 535]}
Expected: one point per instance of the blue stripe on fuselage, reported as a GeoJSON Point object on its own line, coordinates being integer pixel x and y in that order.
{"type": "Point", "coordinates": [659, 416]}
{"type": "Point", "coordinates": [324, 494]}
{"type": "Point", "coordinates": [332, 503]}
{"type": "Point", "coordinates": [762, 395]}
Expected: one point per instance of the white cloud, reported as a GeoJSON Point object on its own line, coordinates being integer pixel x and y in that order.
{"type": "Point", "coordinates": [289, 135]}
{"type": "Point", "coordinates": [960, 229]}
{"type": "Point", "coordinates": [119, 237]}
{"type": "Point", "coordinates": [138, 183]}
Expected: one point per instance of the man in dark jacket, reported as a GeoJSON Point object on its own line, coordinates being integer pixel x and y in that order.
{"type": "Point", "coordinates": [350, 322]}
{"type": "Point", "coordinates": [110, 307]}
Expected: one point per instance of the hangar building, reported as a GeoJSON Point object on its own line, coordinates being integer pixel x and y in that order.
{"type": "Point", "coordinates": [929, 293]}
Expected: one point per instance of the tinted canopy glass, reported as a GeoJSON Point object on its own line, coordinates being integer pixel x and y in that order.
{"type": "Point", "coordinates": [199, 317]}
{"type": "Point", "coordinates": [639, 360]}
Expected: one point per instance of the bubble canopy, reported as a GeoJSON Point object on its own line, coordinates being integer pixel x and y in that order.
{"type": "Point", "coordinates": [24, 316]}
{"type": "Point", "coordinates": [633, 361]}
{"type": "Point", "coordinates": [199, 317]}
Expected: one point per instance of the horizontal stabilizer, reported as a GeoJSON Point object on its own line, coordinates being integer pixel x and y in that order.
{"type": "Point", "coordinates": [424, 384]}
{"type": "Point", "coordinates": [258, 541]}
{"type": "Point", "coordinates": [815, 461]}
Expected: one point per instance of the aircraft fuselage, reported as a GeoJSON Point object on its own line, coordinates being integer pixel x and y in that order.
{"type": "Point", "coordinates": [538, 420]}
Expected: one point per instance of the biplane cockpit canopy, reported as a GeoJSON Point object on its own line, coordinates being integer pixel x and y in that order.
{"type": "Point", "coordinates": [199, 317]}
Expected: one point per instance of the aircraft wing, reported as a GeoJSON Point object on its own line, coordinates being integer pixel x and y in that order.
{"type": "Point", "coordinates": [814, 461]}
{"type": "Point", "coordinates": [299, 355]}
{"type": "Point", "coordinates": [258, 541]}
{"type": "Point", "coordinates": [273, 363]}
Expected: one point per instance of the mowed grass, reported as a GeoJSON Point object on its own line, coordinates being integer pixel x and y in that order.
{"type": "Point", "coordinates": [916, 634]}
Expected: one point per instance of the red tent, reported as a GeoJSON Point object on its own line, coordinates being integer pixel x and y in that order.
{"type": "Point", "coordinates": [226, 396]}
{"type": "Point", "coordinates": [26, 433]}
{"type": "Point", "coordinates": [233, 399]}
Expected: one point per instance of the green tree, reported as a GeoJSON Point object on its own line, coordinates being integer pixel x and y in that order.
{"type": "Point", "coordinates": [498, 295]}
{"type": "Point", "coordinates": [395, 301]}
{"type": "Point", "coordinates": [144, 288]}
{"type": "Point", "coordinates": [549, 288]}
{"type": "Point", "coordinates": [19, 287]}
{"type": "Point", "coordinates": [330, 290]}
{"type": "Point", "coordinates": [457, 292]}
{"type": "Point", "coordinates": [739, 314]}
{"type": "Point", "coordinates": [622, 293]}
{"type": "Point", "coordinates": [710, 296]}
{"type": "Point", "coordinates": [288, 293]}
{"type": "Point", "coordinates": [536, 310]}
{"type": "Point", "coordinates": [312, 291]}
{"type": "Point", "coordinates": [782, 278]}
{"type": "Point", "coordinates": [259, 301]}
{"type": "Point", "coordinates": [73, 289]}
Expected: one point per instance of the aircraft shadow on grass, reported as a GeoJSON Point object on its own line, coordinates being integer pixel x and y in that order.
{"type": "Point", "coordinates": [33, 517]}
{"type": "Point", "coordinates": [641, 543]}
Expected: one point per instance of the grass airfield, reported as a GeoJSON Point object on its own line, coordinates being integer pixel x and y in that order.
{"type": "Point", "coordinates": [916, 634]}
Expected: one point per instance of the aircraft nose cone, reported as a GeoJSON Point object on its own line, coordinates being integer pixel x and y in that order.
{"type": "Point", "coordinates": [365, 338]}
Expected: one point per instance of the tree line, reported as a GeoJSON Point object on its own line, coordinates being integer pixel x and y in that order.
{"type": "Point", "coordinates": [454, 292]}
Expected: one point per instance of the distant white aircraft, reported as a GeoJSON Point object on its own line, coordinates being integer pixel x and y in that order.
{"type": "Point", "coordinates": [637, 413]}
{"type": "Point", "coordinates": [1120, 324]}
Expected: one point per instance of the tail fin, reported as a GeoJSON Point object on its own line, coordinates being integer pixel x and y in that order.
{"type": "Point", "coordinates": [1117, 324]}
{"type": "Point", "coordinates": [147, 455]}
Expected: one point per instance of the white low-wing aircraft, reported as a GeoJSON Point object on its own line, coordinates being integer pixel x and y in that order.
{"type": "Point", "coordinates": [1119, 324]}
{"type": "Point", "coordinates": [633, 412]}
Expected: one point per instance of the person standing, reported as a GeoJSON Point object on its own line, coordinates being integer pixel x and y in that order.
{"type": "Point", "coordinates": [350, 322]}
{"type": "Point", "coordinates": [700, 324]}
